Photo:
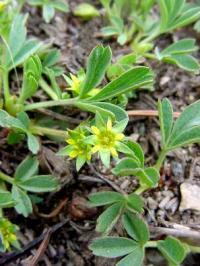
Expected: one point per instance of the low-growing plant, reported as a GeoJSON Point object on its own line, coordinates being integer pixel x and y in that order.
{"type": "Point", "coordinates": [136, 22]}
{"type": "Point", "coordinates": [85, 11]}
{"type": "Point", "coordinates": [25, 182]}
{"type": "Point", "coordinates": [99, 137]}
{"type": "Point", "coordinates": [83, 93]}
{"type": "Point", "coordinates": [49, 7]}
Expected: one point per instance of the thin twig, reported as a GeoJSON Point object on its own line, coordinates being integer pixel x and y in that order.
{"type": "Point", "coordinates": [185, 233]}
{"type": "Point", "coordinates": [58, 116]}
{"type": "Point", "coordinates": [55, 212]}
{"type": "Point", "coordinates": [150, 113]}
{"type": "Point", "coordinates": [109, 182]}
{"type": "Point", "coordinates": [15, 255]}
{"type": "Point", "coordinates": [41, 250]}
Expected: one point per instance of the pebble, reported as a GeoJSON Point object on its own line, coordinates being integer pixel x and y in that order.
{"type": "Point", "coordinates": [52, 251]}
{"type": "Point", "coordinates": [163, 203]}
{"type": "Point", "coordinates": [152, 204]}
{"type": "Point", "coordinates": [172, 205]}
{"type": "Point", "coordinates": [190, 197]}
{"type": "Point", "coordinates": [168, 193]}
{"type": "Point", "coordinates": [164, 80]}
{"type": "Point", "coordinates": [161, 214]}
{"type": "Point", "coordinates": [125, 184]}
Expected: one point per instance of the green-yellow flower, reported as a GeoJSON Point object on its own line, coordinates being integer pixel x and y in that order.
{"type": "Point", "coordinates": [79, 146]}
{"type": "Point", "coordinates": [75, 83]}
{"type": "Point", "coordinates": [106, 141]}
{"type": "Point", "coordinates": [7, 234]}
{"type": "Point", "coordinates": [3, 5]}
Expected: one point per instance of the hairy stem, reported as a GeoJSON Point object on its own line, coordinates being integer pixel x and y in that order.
{"type": "Point", "coordinates": [160, 159]}
{"type": "Point", "coordinates": [47, 89]}
{"type": "Point", "coordinates": [48, 131]}
{"type": "Point", "coordinates": [6, 178]}
{"type": "Point", "coordinates": [68, 102]}
{"type": "Point", "coordinates": [151, 244]}
{"type": "Point", "coordinates": [140, 190]}
{"type": "Point", "coordinates": [6, 85]}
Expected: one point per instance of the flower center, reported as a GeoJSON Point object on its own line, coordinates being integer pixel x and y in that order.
{"type": "Point", "coordinates": [107, 139]}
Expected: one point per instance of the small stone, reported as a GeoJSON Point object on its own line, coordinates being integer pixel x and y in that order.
{"type": "Point", "coordinates": [152, 203]}
{"type": "Point", "coordinates": [125, 184]}
{"type": "Point", "coordinates": [172, 205]}
{"type": "Point", "coordinates": [190, 197]}
{"type": "Point", "coordinates": [164, 202]}
{"type": "Point", "coordinates": [164, 80]}
{"type": "Point", "coordinates": [168, 193]}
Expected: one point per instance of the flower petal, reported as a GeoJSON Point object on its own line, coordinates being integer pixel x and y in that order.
{"type": "Point", "coordinates": [95, 130]}
{"type": "Point", "coordinates": [113, 152]}
{"type": "Point", "coordinates": [119, 136]}
{"type": "Point", "coordinates": [109, 124]}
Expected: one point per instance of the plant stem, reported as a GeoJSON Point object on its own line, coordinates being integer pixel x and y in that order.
{"type": "Point", "coordinates": [194, 249]}
{"type": "Point", "coordinates": [6, 178]}
{"type": "Point", "coordinates": [140, 190]}
{"type": "Point", "coordinates": [150, 113]}
{"type": "Point", "coordinates": [6, 86]}
{"type": "Point", "coordinates": [67, 102]}
{"type": "Point", "coordinates": [150, 56]}
{"type": "Point", "coordinates": [1, 213]}
{"type": "Point", "coordinates": [47, 89]}
{"type": "Point", "coordinates": [160, 159]}
{"type": "Point", "coordinates": [48, 131]}
{"type": "Point", "coordinates": [151, 244]}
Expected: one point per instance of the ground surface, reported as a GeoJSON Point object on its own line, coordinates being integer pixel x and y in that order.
{"type": "Point", "coordinates": [69, 244]}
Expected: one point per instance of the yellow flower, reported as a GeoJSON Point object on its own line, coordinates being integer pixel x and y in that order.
{"type": "Point", "coordinates": [77, 145]}
{"type": "Point", "coordinates": [7, 233]}
{"type": "Point", "coordinates": [75, 84]}
{"type": "Point", "coordinates": [106, 138]}
{"type": "Point", "coordinates": [2, 5]}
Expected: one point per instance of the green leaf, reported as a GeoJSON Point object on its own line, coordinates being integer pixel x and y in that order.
{"type": "Point", "coordinates": [33, 143]}
{"type": "Point", "coordinates": [105, 109]}
{"type": "Point", "coordinates": [31, 77]}
{"type": "Point", "coordinates": [126, 166]}
{"type": "Point", "coordinates": [165, 110]}
{"type": "Point", "coordinates": [105, 198]}
{"type": "Point", "coordinates": [18, 47]}
{"type": "Point", "coordinates": [180, 47]}
{"type": "Point", "coordinates": [9, 121]}
{"type": "Point", "coordinates": [186, 18]}
{"type": "Point", "coordinates": [60, 5]}
{"type": "Point", "coordinates": [17, 35]}
{"type": "Point", "coordinates": [113, 247]}
{"type": "Point", "coordinates": [23, 117]}
{"type": "Point", "coordinates": [134, 259]}
{"type": "Point", "coordinates": [6, 199]}
{"type": "Point", "coordinates": [24, 205]}
{"type": "Point", "coordinates": [51, 58]}
{"type": "Point", "coordinates": [148, 177]}
{"type": "Point", "coordinates": [86, 11]}
{"type": "Point", "coordinates": [137, 150]}
{"type": "Point", "coordinates": [136, 228]}
{"type": "Point", "coordinates": [186, 128]}
{"type": "Point", "coordinates": [172, 249]}
{"type": "Point", "coordinates": [48, 12]}
{"type": "Point", "coordinates": [39, 183]}
{"type": "Point", "coordinates": [135, 202]}
{"type": "Point", "coordinates": [186, 62]}
{"type": "Point", "coordinates": [109, 217]}
{"type": "Point", "coordinates": [176, 14]}
{"type": "Point", "coordinates": [80, 161]}
{"type": "Point", "coordinates": [27, 168]}
{"type": "Point", "coordinates": [98, 61]}
{"type": "Point", "coordinates": [130, 80]}
{"type": "Point", "coordinates": [105, 157]}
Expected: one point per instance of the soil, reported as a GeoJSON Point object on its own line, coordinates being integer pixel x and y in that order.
{"type": "Point", "coordinates": [69, 244]}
